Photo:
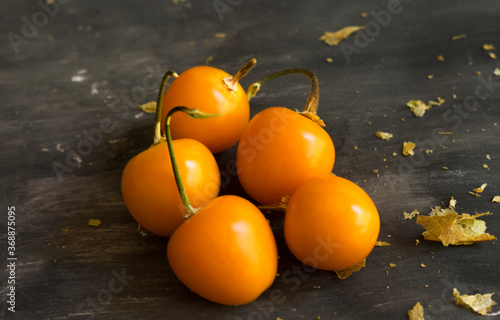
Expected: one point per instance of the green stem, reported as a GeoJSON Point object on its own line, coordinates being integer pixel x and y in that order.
{"type": "Point", "coordinates": [312, 101]}
{"type": "Point", "coordinates": [195, 114]}
{"type": "Point", "coordinates": [159, 102]}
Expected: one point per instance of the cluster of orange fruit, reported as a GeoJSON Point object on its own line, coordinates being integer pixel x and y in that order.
{"type": "Point", "coordinates": [223, 248]}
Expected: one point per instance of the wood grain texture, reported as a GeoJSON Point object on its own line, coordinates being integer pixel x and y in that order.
{"type": "Point", "coordinates": [120, 50]}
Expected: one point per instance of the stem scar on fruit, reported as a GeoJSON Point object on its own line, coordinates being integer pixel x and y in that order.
{"type": "Point", "coordinates": [214, 91]}
{"type": "Point", "coordinates": [280, 149]}
{"type": "Point", "coordinates": [148, 183]}
{"type": "Point", "coordinates": [224, 251]}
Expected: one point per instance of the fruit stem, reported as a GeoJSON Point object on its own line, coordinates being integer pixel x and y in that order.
{"type": "Point", "coordinates": [231, 82]}
{"type": "Point", "coordinates": [195, 114]}
{"type": "Point", "coordinates": [271, 207]}
{"type": "Point", "coordinates": [280, 206]}
{"type": "Point", "coordinates": [158, 137]}
{"type": "Point", "coordinates": [312, 101]}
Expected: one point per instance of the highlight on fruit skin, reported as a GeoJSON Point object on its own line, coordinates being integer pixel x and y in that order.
{"type": "Point", "coordinates": [213, 91]}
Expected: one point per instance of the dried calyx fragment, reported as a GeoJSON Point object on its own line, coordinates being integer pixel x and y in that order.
{"type": "Point", "coordinates": [439, 102]}
{"type": "Point", "coordinates": [334, 38]}
{"type": "Point", "coordinates": [383, 135]}
{"type": "Point", "coordinates": [452, 203]}
{"type": "Point", "coordinates": [459, 36]}
{"type": "Point", "coordinates": [481, 188]}
{"type": "Point", "coordinates": [411, 214]}
{"type": "Point", "coordinates": [449, 227]}
{"type": "Point", "coordinates": [480, 303]}
{"type": "Point", "coordinates": [408, 147]}
{"type": "Point", "coordinates": [488, 47]}
{"type": "Point", "coordinates": [149, 107]}
{"type": "Point", "coordinates": [312, 116]}
{"type": "Point", "coordinates": [417, 313]}
{"type": "Point", "coordinates": [343, 274]}
{"type": "Point", "coordinates": [94, 222]}
{"type": "Point", "coordinates": [418, 107]}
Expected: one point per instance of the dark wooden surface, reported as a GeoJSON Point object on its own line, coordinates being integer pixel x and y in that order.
{"type": "Point", "coordinates": [65, 268]}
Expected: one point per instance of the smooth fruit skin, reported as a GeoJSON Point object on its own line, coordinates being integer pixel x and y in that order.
{"type": "Point", "coordinates": [278, 151]}
{"type": "Point", "coordinates": [203, 88]}
{"type": "Point", "coordinates": [149, 189]}
{"type": "Point", "coordinates": [226, 252]}
{"type": "Point", "coordinates": [331, 223]}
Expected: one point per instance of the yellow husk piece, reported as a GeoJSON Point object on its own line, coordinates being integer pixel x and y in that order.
{"type": "Point", "coordinates": [418, 107]}
{"type": "Point", "coordinates": [480, 303]}
{"type": "Point", "coordinates": [448, 227]}
{"type": "Point", "coordinates": [453, 203]}
{"type": "Point", "coordinates": [460, 36]}
{"type": "Point", "coordinates": [417, 313]}
{"type": "Point", "coordinates": [481, 188]}
{"type": "Point", "coordinates": [439, 102]}
{"type": "Point", "coordinates": [383, 135]}
{"type": "Point", "coordinates": [408, 147]}
{"type": "Point", "coordinates": [343, 274]}
{"type": "Point", "coordinates": [334, 38]}
{"type": "Point", "coordinates": [94, 222]}
{"type": "Point", "coordinates": [411, 214]}
{"type": "Point", "coordinates": [487, 46]}
{"type": "Point", "coordinates": [382, 244]}
{"type": "Point", "coordinates": [149, 107]}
